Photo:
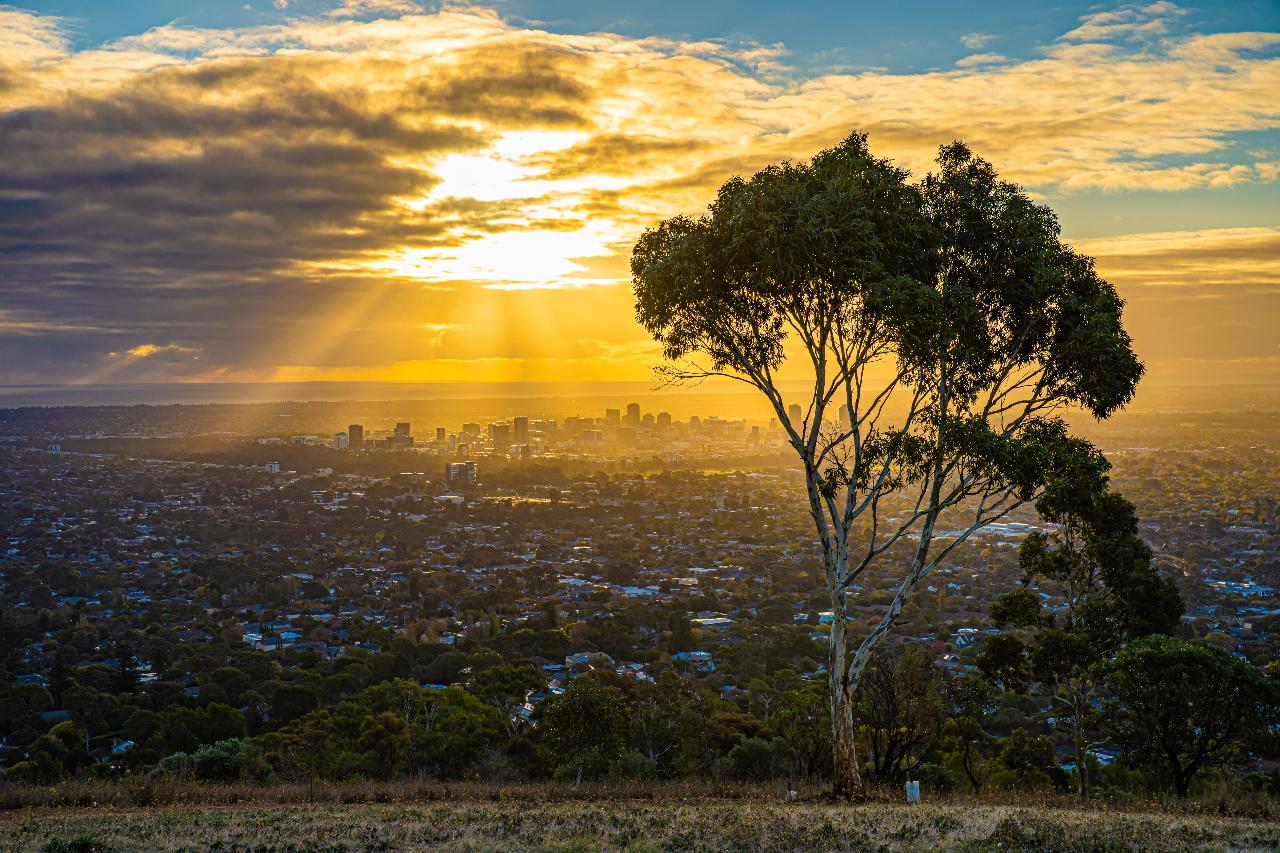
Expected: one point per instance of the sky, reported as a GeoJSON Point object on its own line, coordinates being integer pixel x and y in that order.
{"type": "Point", "coordinates": [384, 190]}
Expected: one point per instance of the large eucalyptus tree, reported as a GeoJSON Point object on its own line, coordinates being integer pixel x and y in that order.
{"type": "Point", "coordinates": [946, 316]}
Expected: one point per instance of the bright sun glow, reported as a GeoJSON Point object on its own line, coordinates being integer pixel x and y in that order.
{"type": "Point", "coordinates": [525, 256]}
{"type": "Point", "coordinates": [512, 259]}
{"type": "Point", "coordinates": [502, 172]}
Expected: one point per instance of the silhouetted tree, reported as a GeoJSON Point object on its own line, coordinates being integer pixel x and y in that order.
{"type": "Point", "coordinates": [1103, 572]}
{"type": "Point", "coordinates": [946, 316]}
{"type": "Point", "coordinates": [1186, 706]}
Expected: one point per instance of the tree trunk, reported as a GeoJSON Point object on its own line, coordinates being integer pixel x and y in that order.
{"type": "Point", "coordinates": [846, 782]}
{"type": "Point", "coordinates": [1077, 740]}
{"type": "Point", "coordinates": [846, 779]}
{"type": "Point", "coordinates": [1082, 769]}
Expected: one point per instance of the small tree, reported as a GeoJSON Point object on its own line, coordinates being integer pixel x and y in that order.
{"type": "Point", "coordinates": [386, 736]}
{"type": "Point", "coordinates": [902, 712]}
{"type": "Point", "coordinates": [505, 687]}
{"type": "Point", "coordinates": [946, 318]}
{"type": "Point", "coordinates": [1110, 591]}
{"type": "Point", "coordinates": [1186, 706]}
{"type": "Point", "coordinates": [585, 727]}
{"type": "Point", "coordinates": [971, 700]}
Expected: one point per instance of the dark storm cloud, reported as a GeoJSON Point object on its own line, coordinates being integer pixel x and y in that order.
{"type": "Point", "coordinates": [229, 183]}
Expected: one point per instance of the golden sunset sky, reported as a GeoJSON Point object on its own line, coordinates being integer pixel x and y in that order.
{"type": "Point", "coordinates": [381, 190]}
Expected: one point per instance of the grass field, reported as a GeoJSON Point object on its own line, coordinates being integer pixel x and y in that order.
{"type": "Point", "coordinates": [622, 825]}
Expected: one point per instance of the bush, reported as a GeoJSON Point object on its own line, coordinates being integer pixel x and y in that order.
{"type": "Point", "coordinates": [230, 760]}
{"type": "Point", "coordinates": [40, 769]}
{"type": "Point", "coordinates": [632, 765]}
{"type": "Point", "coordinates": [174, 766]}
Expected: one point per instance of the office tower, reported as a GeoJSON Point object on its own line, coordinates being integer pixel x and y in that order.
{"type": "Point", "coordinates": [846, 419]}
{"type": "Point", "coordinates": [459, 474]}
{"type": "Point", "coordinates": [612, 417]}
{"type": "Point", "coordinates": [795, 415]}
{"type": "Point", "coordinates": [355, 437]}
{"type": "Point", "coordinates": [664, 420]}
{"type": "Point", "coordinates": [755, 435]}
{"type": "Point", "coordinates": [500, 436]}
{"type": "Point", "coordinates": [522, 429]}
{"type": "Point", "coordinates": [633, 414]}
{"type": "Point", "coordinates": [695, 423]}
{"type": "Point", "coordinates": [440, 434]}
{"type": "Point", "coordinates": [402, 428]}
{"type": "Point", "coordinates": [340, 441]}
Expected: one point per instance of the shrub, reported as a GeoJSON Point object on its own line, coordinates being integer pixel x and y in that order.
{"type": "Point", "coordinates": [230, 760]}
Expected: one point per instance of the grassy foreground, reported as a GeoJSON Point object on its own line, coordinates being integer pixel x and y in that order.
{"type": "Point", "coordinates": [622, 825]}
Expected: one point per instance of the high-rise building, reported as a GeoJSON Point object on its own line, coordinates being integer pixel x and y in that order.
{"type": "Point", "coordinates": [664, 420]}
{"type": "Point", "coordinates": [633, 414]}
{"type": "Point", "coordinates": [795, 415]}
{"type": "Point", "coordinates": [340, 441]}
{"type": "Point", "coordinates": [440, 434]}
{"type": "Point", "coordinates": [521, 429]}
{"type": "Point", "coordinates": [612, 417]}
{"type": "Point", "coordinates": [648, 420]}
{"type": "Point", "coordinates": [846, 419]}
{"type": "Point", "coordinates": [355, 437]}
{"type": "Point", "coordinates": [500, 435]}
{"type": "Point", "coordinates": [402, 428]}
{"type": "Point", "coordinates": [459, 474]}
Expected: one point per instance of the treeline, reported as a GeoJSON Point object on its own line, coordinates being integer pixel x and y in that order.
{"type": "Point", "coordinates": [957, 732]}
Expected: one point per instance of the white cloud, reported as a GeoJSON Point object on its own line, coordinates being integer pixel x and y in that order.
{"type": "Point", "coordinates": [361, 8]}
{"type": "Point", "coordinates": [980, 59]}
{"type": "Point", "coordinates": [976, 41]}
{"type": "Point", "coordinates": [1139, 20]}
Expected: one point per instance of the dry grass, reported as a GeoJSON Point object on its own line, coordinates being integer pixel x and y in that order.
{"type": "Point", "coordinates": [516, 818]}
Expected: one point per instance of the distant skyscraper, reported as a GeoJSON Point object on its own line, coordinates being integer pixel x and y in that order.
{"type": "Point", "coordinates": [846, 419]}
{"type": "Point", "coordinates": [471, 429]}
{"type": "Point", "coordinates": [402, 428]}
{"type": "Point", "coordinates": [355, 436]}
{"type": "Point", "coordinates": [664, 420]}
{"type": "Point", "coordinates": [648, 419]}
{"type": "Point", "coordinates": [340, 441]}
{"type": "Point", "coordinates": [633, 414]}
{"type": "Point", "coordinates": [459, 474]}
{"type": "Point", "coordinates": [440, 434]}
{"type": "Point", "coordinates": [612, 417]}
{"type": "Point", "coordinates": [500, 435]}
{"type": "Point", "coordinates": [795, 415]}
{"type": "Point", "coordinates": [522, 429]}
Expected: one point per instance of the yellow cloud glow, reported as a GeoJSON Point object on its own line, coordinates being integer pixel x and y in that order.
{"type": "Point", "coordinates": [342, 193]}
